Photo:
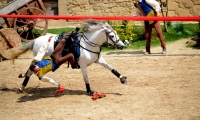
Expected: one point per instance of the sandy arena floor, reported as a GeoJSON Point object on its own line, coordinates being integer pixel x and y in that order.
{"type": "Point", "coordinates": [160, 87]}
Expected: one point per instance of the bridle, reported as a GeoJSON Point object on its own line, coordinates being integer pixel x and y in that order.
{"type": "Point", "coordinates": [96, 45]}
{"type": "Point", "coordinates": [114, 42]}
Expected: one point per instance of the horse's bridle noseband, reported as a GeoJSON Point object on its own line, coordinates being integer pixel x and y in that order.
{"type": "Point", "coordinates": [114, 42]}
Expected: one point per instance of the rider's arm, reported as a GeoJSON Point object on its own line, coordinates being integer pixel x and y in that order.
{"type": "Point", "coordinates": [42, 50]}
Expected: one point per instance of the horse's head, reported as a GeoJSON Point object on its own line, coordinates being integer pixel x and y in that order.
{"type": "Point", "coordinates": [113, 38]}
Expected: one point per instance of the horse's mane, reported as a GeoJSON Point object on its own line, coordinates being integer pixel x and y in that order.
{"type": "Point", "coordinates": [91, 25]}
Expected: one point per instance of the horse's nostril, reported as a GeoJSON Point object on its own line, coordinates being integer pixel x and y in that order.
{"type": "Point", "coordinates": [121, 48]}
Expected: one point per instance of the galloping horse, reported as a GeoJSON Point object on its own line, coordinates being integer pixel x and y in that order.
{"type": "Point", "coordinates": [95, 34]}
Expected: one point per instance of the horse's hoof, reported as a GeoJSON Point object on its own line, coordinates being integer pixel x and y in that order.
{"type": "Point", "coordinates": [20, 90]}
{"type": "Point", "coordinates": [123, 80]}
{"type": "Point", "coordinates": [1, 59]}
{"type": "Point", "coordinates": [20, 75]}
{"type": "Point", "coordinates": [91, 92]}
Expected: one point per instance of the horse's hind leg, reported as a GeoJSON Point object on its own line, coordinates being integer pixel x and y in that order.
{"type": "Point", "coordinates": [102, 62]}
{"type": "Point", "coordinates": [26, 79]}
{"type": "Point", "coordinates": [27, 76]}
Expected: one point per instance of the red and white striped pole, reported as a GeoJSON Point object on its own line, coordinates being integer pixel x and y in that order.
{"type": "Point", "coordinates": [133, 18]}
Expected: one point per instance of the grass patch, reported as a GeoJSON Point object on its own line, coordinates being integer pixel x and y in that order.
{"type": "Point", "coordinates": [175, 32]}
{"type": "Point", "coordinates": [59, 30]}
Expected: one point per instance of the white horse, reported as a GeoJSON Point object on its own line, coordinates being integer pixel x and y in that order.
{"type": "Point", "coordinates": [96, 33]}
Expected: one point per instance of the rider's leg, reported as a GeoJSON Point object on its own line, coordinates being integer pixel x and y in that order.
{"type": "Point", "coordinates": [61, 44]}
{"type": "Point", "coordinates": [48, 79]}
{"type": "Point", "coordinates": [57, 55]}
{"type": "Point", "coordinates": [58, 50]}
{"type": "Point", "coordinates": [69, 57]}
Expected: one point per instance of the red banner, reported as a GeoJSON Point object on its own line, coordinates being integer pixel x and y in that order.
{"type": "Point", "coordinates": [134, 18]}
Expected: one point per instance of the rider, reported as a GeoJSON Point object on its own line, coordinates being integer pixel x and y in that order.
{"type": "Point", "coordinates": [51, 63]}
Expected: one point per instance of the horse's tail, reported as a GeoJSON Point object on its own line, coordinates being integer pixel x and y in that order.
{"type": "Point", "coordinates": [16, 51]}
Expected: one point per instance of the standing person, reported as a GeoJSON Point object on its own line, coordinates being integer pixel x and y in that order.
{"type": "Point", "coordinates": [150, 8]}
{"type": "Point", "coordinates": [50, 63]}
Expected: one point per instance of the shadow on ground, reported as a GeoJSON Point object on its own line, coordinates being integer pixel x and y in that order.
{"type": "Point", "coordinates": [32, 94]}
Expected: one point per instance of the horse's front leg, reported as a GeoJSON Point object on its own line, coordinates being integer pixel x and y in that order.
{"type": "Point", "coordinates": [85, 77]}
{"type": "Point", "coordinates": [102, 62]}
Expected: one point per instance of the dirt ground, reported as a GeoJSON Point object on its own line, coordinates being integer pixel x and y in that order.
{"type": "Point", "coordinates": [160, 87]}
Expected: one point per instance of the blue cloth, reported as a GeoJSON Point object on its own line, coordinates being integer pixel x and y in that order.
{"type": "Point", "coordinates": [145, 7]}
{"type": "Point", "coordinates": [46, 65]}
{"type": "Point", "coordinates": [148, 10]}
{"type": "Point", "coordinates": [77, 48]}
{"type": "Point", "coordinates": [54, 66]}
{"type": "Point", "coordinates": [43, 63]}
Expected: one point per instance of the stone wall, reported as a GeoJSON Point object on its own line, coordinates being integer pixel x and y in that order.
{"type": "Point", "coordinates": [117, 7]}
{"type": "Point", "coordinates": [111, 8]}
{"type": "Point", "coordinates": [123, 7]}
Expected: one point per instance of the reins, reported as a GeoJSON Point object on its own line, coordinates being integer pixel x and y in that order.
{"type": "Point", "coordinates": [91, 44]}
{"type": "Point", "coordinates": [96, 45]}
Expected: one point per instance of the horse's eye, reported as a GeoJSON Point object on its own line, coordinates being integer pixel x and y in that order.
{"type": "Point", "coordinates": [111, 36]}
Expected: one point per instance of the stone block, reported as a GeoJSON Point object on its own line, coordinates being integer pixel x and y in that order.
{"type": "Point", "coordinates": [64, 2]}
{"type": "Point", "coordinates": [195, 10]}
{"type": "Point", "coordinates": [197, 2]}
{"type": "Point", "coordinates": [62, 10]}
{"type": "Point", "coordinates": [172, 13]}
{"type": "Point", "coordinates": [94, 1]}
{"type": "Point", "coordinates": [187, 3]}
{"type": "Point", "coordinates": [183, 12]}
{"type": "Point", "coordinates": [172, 6]}
{"type": "Point", "coordinates": [80, 2]}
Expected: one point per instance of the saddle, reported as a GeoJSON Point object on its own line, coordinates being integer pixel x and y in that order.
{"type": "Point", "coordinates": [72, 45]}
